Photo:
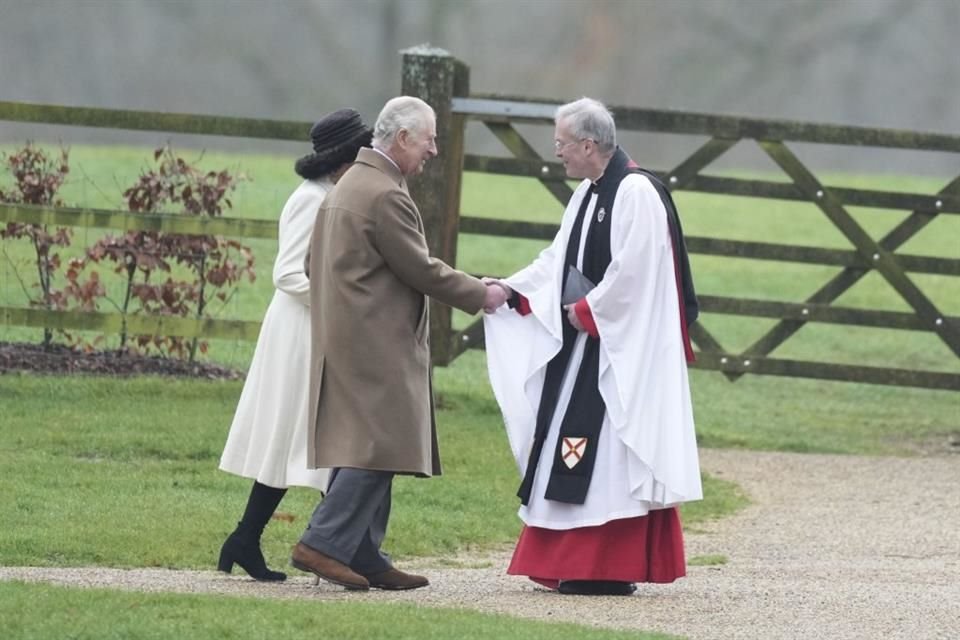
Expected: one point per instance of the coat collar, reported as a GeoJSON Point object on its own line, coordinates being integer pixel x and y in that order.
{"type": "Point", "coordinates": [376, 160]}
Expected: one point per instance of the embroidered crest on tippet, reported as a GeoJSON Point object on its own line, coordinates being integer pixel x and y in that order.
{"type": "Point", "coordinates": [601, 214]}
{"type": "Point", "coordinates": [572, 451]}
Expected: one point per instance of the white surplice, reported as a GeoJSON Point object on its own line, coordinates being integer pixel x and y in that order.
{"type": "Point", "coordinates": [647, 453]}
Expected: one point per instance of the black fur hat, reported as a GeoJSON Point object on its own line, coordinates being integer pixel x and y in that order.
{"type": "Point", "coordinates": [337, 137]}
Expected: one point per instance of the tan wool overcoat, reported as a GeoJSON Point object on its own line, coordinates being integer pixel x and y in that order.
{"type": "Point", "coordinates": [371, 395]}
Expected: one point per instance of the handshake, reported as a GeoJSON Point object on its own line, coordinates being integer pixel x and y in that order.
{"type": "Point", "coordinates": [498, 292]}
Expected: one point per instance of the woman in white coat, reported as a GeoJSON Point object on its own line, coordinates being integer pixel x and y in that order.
{"type": "Point", "coordinates": [268, 438]}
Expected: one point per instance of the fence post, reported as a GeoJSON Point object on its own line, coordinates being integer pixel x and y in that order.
{"type": "Point", "coordinates": [436, 77]}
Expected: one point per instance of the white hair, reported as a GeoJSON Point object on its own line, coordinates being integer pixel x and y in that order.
{"type": "Point", "coordinates": [403, 112]}
{"type": "Point", "coordinates": [589, 119]}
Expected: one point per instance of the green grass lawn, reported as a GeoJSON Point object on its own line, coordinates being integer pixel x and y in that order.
{"type": "Point", "coordinates": [124, 473]}
{"type": "Point", "coordinates": [41, 612]}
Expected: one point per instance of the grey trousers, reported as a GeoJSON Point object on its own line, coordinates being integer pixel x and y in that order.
{"type": "Point", "coordinates": [350, 523]}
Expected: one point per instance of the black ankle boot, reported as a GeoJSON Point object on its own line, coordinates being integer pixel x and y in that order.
{"type": "Point", "coordinates": [241, 550]}
{"type": "Point", "coordinates": [596, 588]}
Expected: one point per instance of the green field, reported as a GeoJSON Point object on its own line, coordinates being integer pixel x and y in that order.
{"type": "Point", "coordinates": [99, 175]}
{"type": "Point", "coordinates": [41, 612]}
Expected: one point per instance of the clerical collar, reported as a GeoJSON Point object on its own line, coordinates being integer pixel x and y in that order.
{"type": "Point", "coordinates": [596, 183]}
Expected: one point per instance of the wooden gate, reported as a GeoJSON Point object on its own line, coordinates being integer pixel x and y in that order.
{"type": "Point", "coordinates": [444, 82]}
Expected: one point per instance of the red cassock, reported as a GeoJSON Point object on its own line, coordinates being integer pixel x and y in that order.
{"type": "Point", "coordinates": [643, 549]}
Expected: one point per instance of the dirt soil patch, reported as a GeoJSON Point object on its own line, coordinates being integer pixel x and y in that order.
{"type": "Point", "coordinates": [60, 359]}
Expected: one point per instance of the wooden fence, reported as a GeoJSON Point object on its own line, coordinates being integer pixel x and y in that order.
{"type": "Point", "coordinates": [443, 81]}
{"type": "Point", "coordinates": [133, 324]}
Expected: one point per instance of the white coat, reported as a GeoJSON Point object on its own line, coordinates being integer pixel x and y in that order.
{"type": "Point", "coordinates": [268, 438]}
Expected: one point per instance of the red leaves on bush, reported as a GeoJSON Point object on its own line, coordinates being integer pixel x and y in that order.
{"type": "Point", "coordinates": [84, 293]}
{"type": "Point", "coordinates": [173, 186]}
{"type": "Point", "coordinates": [37, 178]}
{"type": "Point", "coordinates": [176, 185]}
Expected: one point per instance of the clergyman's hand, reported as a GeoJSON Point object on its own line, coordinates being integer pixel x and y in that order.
{"type": "Point", "coordinates": [495, 297]}
{"type": "Point", "coordinates": [572, 317]}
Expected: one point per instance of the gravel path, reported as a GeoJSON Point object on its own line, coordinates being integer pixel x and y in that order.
{"type": "Point", "coordinates": [832, 547]}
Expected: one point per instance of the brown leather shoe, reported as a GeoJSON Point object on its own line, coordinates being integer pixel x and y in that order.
{"type": "Point", "coordinates": [396, 580]}
{"type": "Point", "coordinates": [323, 566]}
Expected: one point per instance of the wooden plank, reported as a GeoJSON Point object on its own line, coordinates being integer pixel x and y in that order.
{"type": "Point", "coordinates": [718, 247]}
{"type": "Point", "coordinates": [508, 228]}
{"type": "Point", "coordinates": [113, 323]}
{"type": "Point", "coordinates": [155, 121]}
{"type": "Point", "coordinates": [703, 338]}
{"type": "Point", "coordinates": [494, 110]}
{"type": "Point", "coordinates": [737, 365]}
{"type": "Point", "coordinates": [130, 221]}
{"type": "Point", "coordinates": [871, 198]}
{"type": "Point", "coordinates": [734, 127]}
{"type": "Point", "coordinates": [814, 255]}
{"type": "Point", "coordinates": [809, 312]}
{"type": "Point", "coordinates": [521, 167]}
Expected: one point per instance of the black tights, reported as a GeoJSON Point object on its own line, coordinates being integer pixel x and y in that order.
{"type": "Point", "coordinates": [261, 504]}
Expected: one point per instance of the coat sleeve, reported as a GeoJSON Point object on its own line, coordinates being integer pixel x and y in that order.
{"type": "Point", "coordinates": [401, 242]}
{"type": "Point", "coordinates": [296, 228]}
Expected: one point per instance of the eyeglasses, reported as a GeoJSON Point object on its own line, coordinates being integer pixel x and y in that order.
{"type": "Point", "coordinates": [559, 146]}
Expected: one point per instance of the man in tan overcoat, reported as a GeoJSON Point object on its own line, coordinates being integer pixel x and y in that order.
{"type": "Point", "coordinates": [371, 401]}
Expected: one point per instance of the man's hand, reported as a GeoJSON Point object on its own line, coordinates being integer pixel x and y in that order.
{"type": "Point", "coordinates": [572, 317]}
{"type": "Point", "coordinates": [495, 297]}
{"type": "Point", "coordinates": [500, 283]}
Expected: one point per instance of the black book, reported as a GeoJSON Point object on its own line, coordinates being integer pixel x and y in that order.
{"type": "Point", "coordinates": [576, 287]}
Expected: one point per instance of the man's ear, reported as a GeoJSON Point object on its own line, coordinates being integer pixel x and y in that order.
{"type": "Point", "coordinates": [403, 136]}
